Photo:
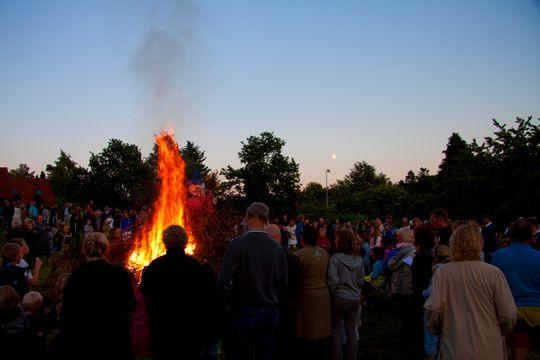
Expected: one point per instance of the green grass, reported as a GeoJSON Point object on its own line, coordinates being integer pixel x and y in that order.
{"type": "Point", "coordinates": [381, 339]}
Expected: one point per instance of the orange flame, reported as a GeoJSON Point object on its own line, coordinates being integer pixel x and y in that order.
{"type": "Point", "coordinates": [168, 209]}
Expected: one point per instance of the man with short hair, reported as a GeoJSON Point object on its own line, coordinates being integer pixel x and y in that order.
{"type": "Point", "coordinates": [490, 238]}
{"type": "Point", "coordinates": [520, 264]}
{"type": "Point", "coordinates": [440, 222]}
{"type": "Point", "coordinates": [179, 296]}
{"type": "Point", "coordinates": [252, 274]}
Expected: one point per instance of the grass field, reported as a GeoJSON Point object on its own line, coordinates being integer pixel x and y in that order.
{"type": "Point", "coordinates": [380, 337]}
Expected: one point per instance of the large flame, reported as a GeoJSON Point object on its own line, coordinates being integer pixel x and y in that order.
{"type": "Point", "coordinates": [168, 209]}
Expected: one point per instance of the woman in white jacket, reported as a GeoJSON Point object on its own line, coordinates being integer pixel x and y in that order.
{"type": "Point", "coordinates": [345, 278]}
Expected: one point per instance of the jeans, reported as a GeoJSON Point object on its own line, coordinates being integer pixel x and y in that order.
{"type": "Point", "coordinates": [431, 342]}
{"type": "Point", "coordinates": [251, 332]}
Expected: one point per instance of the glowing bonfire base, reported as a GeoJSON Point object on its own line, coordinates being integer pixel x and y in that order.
{"type": "Point", "coordinates": [168, 209]}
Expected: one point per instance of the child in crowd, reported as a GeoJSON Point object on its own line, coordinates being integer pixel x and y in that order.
{"type": "Point", "coordinates": [10, 273]}
{"type": "Point", "coordinates": [322, 239]}
{"type": "Point", "coordinates": [32, 278]}
{"type": "Point", "coordinates": [13, 324]}
{"type": "Point", "coordinates": [32, 306]}
{"type": "Point", "coordinates": [376, 280]}
{"type": "Point", "coordinates": [32, 303]}
{"type": "Point", "coordinates": [88, 228]}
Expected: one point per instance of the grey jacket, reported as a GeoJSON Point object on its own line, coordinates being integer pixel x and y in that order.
{"type": "Point", "coordinates": [346, 276]}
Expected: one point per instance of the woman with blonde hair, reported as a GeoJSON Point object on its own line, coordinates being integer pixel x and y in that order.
{"type": "Point", "coordinates": [471, 306]}
{"type": "Point", "coordinates": [97, 305]}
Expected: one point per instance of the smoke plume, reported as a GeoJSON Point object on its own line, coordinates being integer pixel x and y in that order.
{"type": "Point", "coordinates": [160, 60]}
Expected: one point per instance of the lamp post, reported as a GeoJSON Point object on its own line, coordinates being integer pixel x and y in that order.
{"type": "Point", "coordinates": [326, 176]}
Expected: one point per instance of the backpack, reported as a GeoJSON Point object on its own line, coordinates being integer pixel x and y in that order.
{"type": "Point", "coordinates": [12, 275]}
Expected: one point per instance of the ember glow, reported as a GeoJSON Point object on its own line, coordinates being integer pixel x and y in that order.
{"type": "Point", "coordinates": [168, 209]}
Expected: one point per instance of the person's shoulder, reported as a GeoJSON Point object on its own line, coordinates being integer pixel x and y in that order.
{"type": "Point", "coordinates": [501, 253]}
{"type": "Point", "coordinates": [156, 262]}
{"type": "Point", "coordinates": [191, 261]}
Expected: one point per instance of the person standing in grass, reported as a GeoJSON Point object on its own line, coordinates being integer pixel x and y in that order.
{"type": "Point", "coordinates": [97, 305]}
{"type": "Point", "coordinates": [471, 305]}
{"type": "Point", "coordinates": [345, 278]}
{"type": "Point", "coordinates": [313, 323]}
{"type": "Point", "coordinates": [520, 264]}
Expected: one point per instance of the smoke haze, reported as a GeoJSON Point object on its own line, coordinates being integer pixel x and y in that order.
{"type": "Point", "coordinates": [160, 60]}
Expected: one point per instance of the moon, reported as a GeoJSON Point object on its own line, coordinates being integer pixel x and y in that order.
{"type": "Point", "coordinates": [334, 156]}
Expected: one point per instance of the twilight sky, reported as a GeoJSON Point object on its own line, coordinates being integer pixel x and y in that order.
{"type": "Point", "coordinates": [376, 80]}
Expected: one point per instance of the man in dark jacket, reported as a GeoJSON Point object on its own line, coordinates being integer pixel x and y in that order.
{"type": "Point", "coordinates": [489, 233]}
{"type": "Point", "coordinates": [253, 272]}
{"type": "Point", "coordinates": [440, 221]}
{"type": "Point", "coordinates": [179, 295]}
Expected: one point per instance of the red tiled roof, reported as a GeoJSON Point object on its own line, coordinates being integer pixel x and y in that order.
{"type": "Point", "coordinates": [26, 187]}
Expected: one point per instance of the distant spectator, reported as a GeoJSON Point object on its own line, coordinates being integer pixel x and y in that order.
{"type": "Point", "coordinates": [375, 237]}
{"type": "Point", "coordinates": [88, 228]}
{"type": "Point", "coordinates": [520, 264]}
{"type": "Point", "coordinates": [291, 231]}
{"type": "Point", "coordinates": [322, 239]}
{"type": "Point", "coordinates": [126, 225]}
{"type": "Point", "coordinates": [33, 210]}
{"type": "Point", "coordinates": [440, 221]}
{"type": "Point", "coordinates": [490, 238]}
{"type": "Point", "coordinates": [299, 228]}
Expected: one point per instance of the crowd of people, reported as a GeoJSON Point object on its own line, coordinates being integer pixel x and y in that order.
{"type": "Point", "coordinates": [286, 288]}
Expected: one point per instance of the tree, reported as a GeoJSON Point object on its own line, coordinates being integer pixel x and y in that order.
{"type": "Point", "coordinates": [362, 176]}
{"type": "Point", "coordinates": [118, 174]}
{"type": "Point", "coordinates": [194, 158]}
{"type": "Point", "coordinates": [69, 181]}
{"type": "Point", "coordinates": [512, 161]}
{"type": "Point", "coordinates": [265, 175]}
{"type": "Point", "coordinates": [313, 200]}
{"type": "Point", "coordinates": [456, 181]}
{"type": "Point", "coordinates": [23, 171]}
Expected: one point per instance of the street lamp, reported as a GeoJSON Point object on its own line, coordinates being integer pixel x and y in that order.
{"type": "Point", "coordinates": [326, 175]}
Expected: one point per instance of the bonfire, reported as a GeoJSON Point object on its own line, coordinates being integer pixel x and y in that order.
{"type": "Point", "coordinates": [168, 209]}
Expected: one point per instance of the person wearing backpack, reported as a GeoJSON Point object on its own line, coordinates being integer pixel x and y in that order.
{"type": "Point", "coordinates": [345, 278]}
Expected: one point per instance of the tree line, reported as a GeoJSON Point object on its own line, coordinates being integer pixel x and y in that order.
{"type": "Point", "coordinates": [499, 175]}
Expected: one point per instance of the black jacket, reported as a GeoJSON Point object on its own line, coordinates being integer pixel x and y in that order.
{"type": "Point", "coordinates": [96, 310]}
{"type": "Point", "coordinates": [179, 294]}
